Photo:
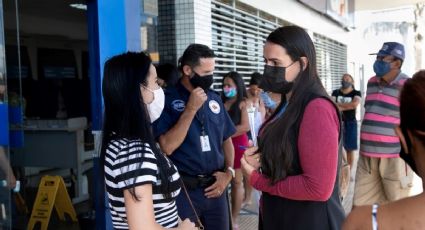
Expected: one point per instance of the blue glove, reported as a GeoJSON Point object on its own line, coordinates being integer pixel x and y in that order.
{"type": "Point", "coordinates": [268, 101]}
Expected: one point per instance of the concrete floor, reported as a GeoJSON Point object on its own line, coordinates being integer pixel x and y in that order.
{"type": "Point", "coordinates": [248, 216]}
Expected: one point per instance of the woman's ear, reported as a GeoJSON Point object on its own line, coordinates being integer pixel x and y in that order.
{"type": "Point", "coordinates": [187, 70]}
{"type": "Point", "coordinates": [304, 61]}
{"type": "Point", "coordinates": [402, 138]}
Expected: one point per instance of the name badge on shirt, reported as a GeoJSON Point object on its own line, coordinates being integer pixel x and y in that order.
{"type": "Point", "coordinates": [205, 143]}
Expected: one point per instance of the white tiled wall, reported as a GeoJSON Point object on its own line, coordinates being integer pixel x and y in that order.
{"type": "Point", "coordinates": [193, 23]}
{"type": "Point", "coordinates": [203, 22]}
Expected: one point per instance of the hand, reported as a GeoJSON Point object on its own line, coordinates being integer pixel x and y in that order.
{"type": "Point", "coordinates": [196, 99]}
{"type": "Point", "coordinates": [187, 225]}
{"type": "Point", "coordinates": [247, 169]}
{"type": "Point", "coordinates": [11, 180]}
{"type": "Point", "coordinates": [252, 157]}
{"type": "Point", "coordinates": [221, 181]}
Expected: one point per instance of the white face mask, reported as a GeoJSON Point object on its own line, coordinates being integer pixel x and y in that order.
{"type": "Point", "coordinates": [157, 105]}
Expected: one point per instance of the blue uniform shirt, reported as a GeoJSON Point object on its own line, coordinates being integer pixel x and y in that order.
{"type": "Point", "coordinates": [189, 157]}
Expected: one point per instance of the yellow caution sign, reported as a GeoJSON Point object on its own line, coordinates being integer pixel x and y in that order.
{"type": "Point", "coordinates": [51, 192]}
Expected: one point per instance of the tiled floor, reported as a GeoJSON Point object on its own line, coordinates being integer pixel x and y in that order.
{"type": "Point", "coordinates": [249, 218]}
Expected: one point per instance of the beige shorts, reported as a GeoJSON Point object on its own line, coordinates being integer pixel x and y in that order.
{"type": "Point", "coordinates": [381, 180]}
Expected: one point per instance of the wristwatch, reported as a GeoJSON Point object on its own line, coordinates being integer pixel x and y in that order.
{"type": "Point", "coordinates": [231, 171]}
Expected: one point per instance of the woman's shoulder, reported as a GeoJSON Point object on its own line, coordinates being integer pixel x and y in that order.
{"type": "Point", "coordinates": [126, 143]}
{"type": "Point", "coordinates": [321, 109]}
{"type": "Point", "coordinates": [321, 104]}
{"type": "Point", "coordinates": [124, 147]}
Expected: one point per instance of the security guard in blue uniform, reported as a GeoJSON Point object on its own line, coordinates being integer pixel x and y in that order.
{"type": "Point", "coordinates": [194, 130]}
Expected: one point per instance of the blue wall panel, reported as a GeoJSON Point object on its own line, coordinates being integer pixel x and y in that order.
{"type": "Point", "coordinates": [114, 28]}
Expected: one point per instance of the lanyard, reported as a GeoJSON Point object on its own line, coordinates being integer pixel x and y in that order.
{"type": "Point", "coordinates": [200, 116]}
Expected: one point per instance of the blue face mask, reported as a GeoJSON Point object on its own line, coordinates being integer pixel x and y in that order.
{"type": "Point", "coordinates": [381, 67]}
{"type": "Point", "coordinates": [268, 101]}
{"type": "Point", "coordinates": [229, 92]}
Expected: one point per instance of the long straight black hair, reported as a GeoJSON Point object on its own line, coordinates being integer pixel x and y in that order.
{"type": "Point", "coordinates": [279, 138]}
{"type": "Point", "coordinates": [412, 105]}
{"type": "Point", "coordinates": [125, 113]}
{"type": "Point", "coordinates": [235, 111]}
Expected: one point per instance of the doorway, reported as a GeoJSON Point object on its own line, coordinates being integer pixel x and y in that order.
{"type": "Point", "coordinates": [48, 91]}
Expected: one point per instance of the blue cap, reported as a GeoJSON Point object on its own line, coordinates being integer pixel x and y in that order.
{"type": "Point", "coordinates": [391, 48]}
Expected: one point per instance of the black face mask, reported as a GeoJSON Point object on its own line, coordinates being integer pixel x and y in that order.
{"type": "Point", "coordinates": [274, 80]}
{"type": "Point", "coordinates": [407, 157]}
{"type": "Point", "coordinates": [204, 82]}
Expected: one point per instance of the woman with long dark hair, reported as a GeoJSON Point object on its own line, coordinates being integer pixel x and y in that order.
{"type": "Point", "coordinates": [408, 213]}
{"type": "Point", "coordinates": [234, 96]}
{"type": "Point", "coordinates": [141, 182]}
{"type": "Point", "coordinates": [298, 145]}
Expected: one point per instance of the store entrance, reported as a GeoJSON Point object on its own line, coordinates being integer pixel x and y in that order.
{"type": "Point", "coordinates": [48, 86]}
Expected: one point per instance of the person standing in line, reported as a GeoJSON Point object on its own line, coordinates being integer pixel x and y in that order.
{"type": "Point", "coordinates": [298, 145]}
{"type": "Point", "coordinates": [141, 182]}
{"type": "Point", "coordinates": [407, 213]}
{"type": "Point", "coordinates": [195, 131]}
{"type": "Point", "coordinates": [347, 99]}
{"type": "Point", "coordinates": [254, 100]}
{"type": "Point", "coordinates": [381, 175]}
{"type": "Point", "coordinates": [234, 98]}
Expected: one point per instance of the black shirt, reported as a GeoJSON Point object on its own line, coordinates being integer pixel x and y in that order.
{"type": "Point", "coordinates": [348, 115]}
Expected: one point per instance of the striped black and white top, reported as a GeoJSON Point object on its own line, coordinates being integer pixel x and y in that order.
{"type": "Point", "coordinates": [132, 163]}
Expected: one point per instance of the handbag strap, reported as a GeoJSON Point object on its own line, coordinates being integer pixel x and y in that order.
{"type": "Point", "coordinates": [201, 226]}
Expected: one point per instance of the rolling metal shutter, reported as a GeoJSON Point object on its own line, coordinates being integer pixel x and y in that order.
{"type": "Point", "coordinates": [331, 61]}
{"type": "Point", "coordinates": [238, 38]}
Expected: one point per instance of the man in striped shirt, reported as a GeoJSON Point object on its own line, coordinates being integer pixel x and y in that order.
{"type": "Point", "coordinates": [382, 176]}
